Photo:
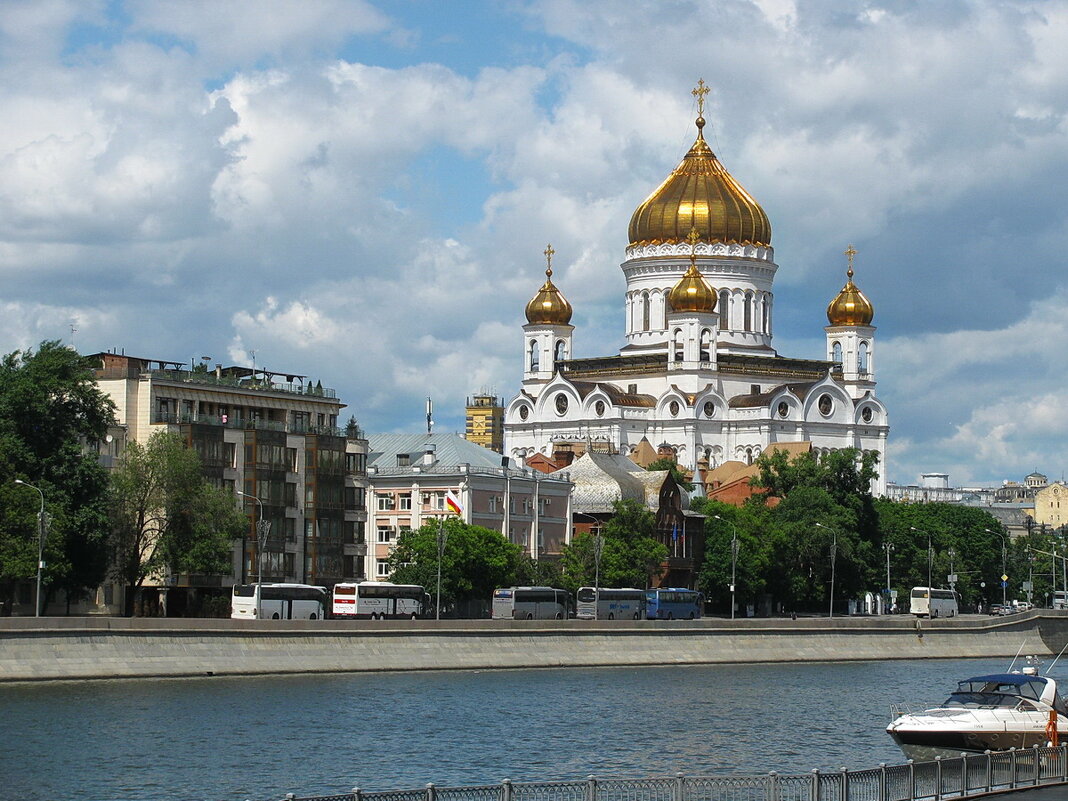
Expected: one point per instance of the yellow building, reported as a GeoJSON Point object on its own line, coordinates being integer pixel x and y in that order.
{"type": "Point", "coordinates": [485, 422]}
{"type": "Point", "coordinates": [1051, 505]}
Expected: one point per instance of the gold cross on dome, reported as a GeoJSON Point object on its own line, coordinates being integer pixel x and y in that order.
{"type": "Point", "coordinates": [850, 252]}
{"type": "Point", "coordinates": [700, 93]}
{"type": "Point", "coordinates": [693, 237]}
{"type": "Point", "coordinates": [549, 253]}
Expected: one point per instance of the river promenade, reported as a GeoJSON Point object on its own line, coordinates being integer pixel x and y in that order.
{"type": "Point", "coordinates": [49, 649]}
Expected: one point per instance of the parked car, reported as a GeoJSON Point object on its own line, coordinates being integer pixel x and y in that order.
{"type": "Point", "coordinates": [996, 609]}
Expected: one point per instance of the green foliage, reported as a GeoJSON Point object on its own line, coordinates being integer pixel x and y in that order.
{"type": "Point", "coordinates": [50, 410]}
{"type": "Point", "coordinates": [165, 516]}
{"type": "Point", "coordinates": [475, 562]}
{"type": "Point", "coordinates": [630, 555]}
{"type": "Point", "coordinates": [667, 463]}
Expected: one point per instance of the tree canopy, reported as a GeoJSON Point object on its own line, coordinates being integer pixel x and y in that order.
{"type": "Point", "coordinates": [166, 517]}
{"type": "Point", "coordinates": [51, 413]}
{"type": "Point", "coordinates": [630, 555]}
{"type": "Point", "coordinates": [669, 464]}
{"type": "Point", "coordinates": [824, 515]}
{"type": "Point", "coordinates": [475, 562]}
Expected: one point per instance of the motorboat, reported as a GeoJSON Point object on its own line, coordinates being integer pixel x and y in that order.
{"type": "Point", "coordinates": [997, 712]}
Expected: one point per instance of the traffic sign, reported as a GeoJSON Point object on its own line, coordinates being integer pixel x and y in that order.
{"type": "Point", "coordinates": [1004, 577]}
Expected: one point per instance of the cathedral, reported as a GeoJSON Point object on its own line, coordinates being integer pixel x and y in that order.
{"type": "Point", "coordinates": [698, 377]}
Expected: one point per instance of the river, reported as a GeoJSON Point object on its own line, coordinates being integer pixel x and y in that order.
{"type": "Point", "coordinates": [258, 738]}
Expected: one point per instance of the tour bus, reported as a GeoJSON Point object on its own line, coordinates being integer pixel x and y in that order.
{"type": "Point", "coordinates": [530, 603]}
{"type": "Point", "coordinates": [278, 601]}
{"type": "Point", "coordinates": [1060, 599]}
{"type": "Point", "coordinates": [673, 603]}
{"type": "Point", "coordinates": [378, 600]}
{"type": "Point", "coordinates": [942, 602]}
{"type": "Point", "coordinates": [626, 603]}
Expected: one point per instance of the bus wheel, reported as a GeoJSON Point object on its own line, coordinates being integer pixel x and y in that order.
{"type": "Point", "coordinates": [559, 616]}
{"type": "Point", "coordinates": [671, 615]}
{"type": "Point", "coordinates": [691, 615]}
{"type": "Point", "coordinates": [414, 616]}
{"type": "Point", "coordinates": [275, 616]}
{"type": "Point", "coordinates": [637, 616]}
{"type": "Point", "coordinates": [611, 616]}
{"type": "Point", "coordinates": [313, 616]}
{"type": "Point", "coordinates": [530, 615]}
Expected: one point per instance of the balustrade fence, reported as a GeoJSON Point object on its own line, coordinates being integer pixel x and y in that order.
{"type": "Point", "coordinates": [965, 776]}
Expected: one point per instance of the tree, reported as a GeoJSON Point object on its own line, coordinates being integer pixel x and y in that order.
{"type": "Point", "coordinates": [166, 517]}
{"type": "Point", "coordinates": [669, 464]}
{"type": "Point", "coordinates": [750, 568]}
{"type": "Point", "coordinates": [630, 555]}
{"type": "Point", "coordinates": [51, 412]}
{"type": "Point", "coordinates": [476, 561]}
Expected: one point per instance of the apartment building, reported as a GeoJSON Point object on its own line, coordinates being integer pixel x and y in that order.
{"type": "Point", "coordinates": [410, 474]}
{"type": "Point", "coordinates": [275, 437]}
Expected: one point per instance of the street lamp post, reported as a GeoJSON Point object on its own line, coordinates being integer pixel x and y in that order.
{"type": "Point", "coordinates": [734, 559]}
{"type": "Point", "coordinates": [42, 534]}
{"type": "Point", "coordinates": [1004, 583]}
{"type": "Point", "coordinates": [443, 537]}
{"type": "Point", "coordinates": [888, 547]}
{"type": "Point", "coordinates": [834, 553]}
{"type": "Point", "coordinates": [263, 529]}
{"type": "Point", "coordinates": [930, 559]}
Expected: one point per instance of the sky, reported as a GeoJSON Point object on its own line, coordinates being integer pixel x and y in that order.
{"type": "Point", "coordinates": [361, 192]}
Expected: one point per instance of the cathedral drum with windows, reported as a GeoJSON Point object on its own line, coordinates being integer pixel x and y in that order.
{"type": "Point", "coordinates": [698, 374]}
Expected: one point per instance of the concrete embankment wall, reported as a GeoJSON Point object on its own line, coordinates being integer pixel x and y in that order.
{"type": "Point", "coordinates": [79, 648]}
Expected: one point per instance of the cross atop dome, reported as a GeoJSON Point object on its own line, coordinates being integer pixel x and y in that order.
{"type": "Point", "coordinates": [549, 253]}
{"type": "Point", "coordinates": [850, 252]}
{"type": "Point", "coordinates": [700, 93]}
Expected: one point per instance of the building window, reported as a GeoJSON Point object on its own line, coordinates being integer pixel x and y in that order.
{"type": "Point", "coordinates": [406, 503]}
{"type": "Point", "coordinates": [645, 312]}
{"type": "Point", "coordinates": [561, 350]}
{"type": "Point", "coordinates": [382, 568]}
{"type": "Point", "coordinates": [706, 345]}
{"type": "Point", "coordinates": [404, 460]}
{"type": "Point", "coordinates": [561, 403]}
{"type": "Point", "coordinates": [710, 409]}
{"type": "Point", "coordinates": [826, 405]}
{"type": "Point", "coordinates": [724, 310]}
{"type": "Point", "coordinates": [673, 408]}
{"type": "Point", "coordinates": [386, 503]}
{"type": "Point", "coordinates": [385, 534]}
{"type": "Point", "coordinates": [533, 356]}
{"type": "Point", "coordinates": [748, 311]}
{"type": "Point", "coordinates": [598, 408]}
{"type": "Point", "coordinates": [493, 504]}
{"type": "Point", "coordinates": [524, 412]}
{"type": "Point", "coordinates": [836, 352]}
{"type": "Point", "coordinates": [862, 358]}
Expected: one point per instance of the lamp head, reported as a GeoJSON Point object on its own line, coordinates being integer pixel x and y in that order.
{"type": "Point", "coordinates": [19, 481]}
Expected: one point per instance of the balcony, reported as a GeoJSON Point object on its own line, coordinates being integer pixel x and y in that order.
{"type": "Point", "coordinates": [177, 418]}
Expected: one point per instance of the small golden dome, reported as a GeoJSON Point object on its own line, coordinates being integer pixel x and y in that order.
{"type": "Point", "coordinates": [692, 293]}
{"type": "Point", "coordinates": [849, 306]}
{"type": "Point", "coordinates": [549, 306]}
{"type": "Point", "coordinates": [700, 193]}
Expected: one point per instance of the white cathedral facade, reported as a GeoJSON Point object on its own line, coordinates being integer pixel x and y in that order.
{"type": "Point", "coordinates": [698, 373]}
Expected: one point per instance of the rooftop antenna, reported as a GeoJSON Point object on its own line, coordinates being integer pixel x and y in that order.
{"type": "Point", "coordinates": [429, 415]}
{"type": "Point", "coordinates": [73, 331]}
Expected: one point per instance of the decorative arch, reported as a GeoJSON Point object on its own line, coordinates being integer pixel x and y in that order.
{"type": "Point", "coordinates": [560, 352]}
{"type": "Point", "coordinates": [534, 356]}
{"type": "Point", "coordinates": [724, 310]}
{"type": "Point", "coordinates": [862, 357]}
{"type": "Point", "coordinates": [706, 345]}
{"type": "Point", "coordinates": [836, 352]}
{"type": "Point", "coordinates": [645, 311]}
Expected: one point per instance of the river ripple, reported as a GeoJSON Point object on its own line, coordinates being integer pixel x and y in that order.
{"type": "Point", "coordinates": [238, 738]}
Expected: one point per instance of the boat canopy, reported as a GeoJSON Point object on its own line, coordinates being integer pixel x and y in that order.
{"type": "Point", "coordinates": [1005, 689]}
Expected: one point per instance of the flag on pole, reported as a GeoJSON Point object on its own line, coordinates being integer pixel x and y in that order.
{"type": "Point", "coordinates": [453, 503]}
{"type": "Point", "coordinates": [674, 532]}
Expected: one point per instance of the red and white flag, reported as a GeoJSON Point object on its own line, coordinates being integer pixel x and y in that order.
{"type": "Point", "coordinates": [454, 503]}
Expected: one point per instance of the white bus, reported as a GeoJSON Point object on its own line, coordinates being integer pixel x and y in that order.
{"type": "Point", "coordinates": [941, 603]}
{"type": "Point", "coordinates": [278, 602]}
{"type": "Point", "coordinates": [626, 603]}
{"type": "Point", "coordinates": [1060, 599]}
{"type": "Point", "coordinates": [378, 600]}
{"type": "Point", "coordinates": [530, 603]}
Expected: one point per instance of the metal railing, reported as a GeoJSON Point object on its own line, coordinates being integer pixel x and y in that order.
{"type": "Point", "coordinates": [965, 776]}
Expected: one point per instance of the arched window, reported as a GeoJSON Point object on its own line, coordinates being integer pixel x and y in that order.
{"type": "Point", "coordinates": [645, 311]}
{"type": "Point", "coordinates": [677, 338]}
{"type": "Point", "coordinates": [748, 455]}
{"type": "Point", "coordinates": [533, 356]}
{"type": "Point", "coordinates": [836, 352]}
{"type": "Point", "coordinates": [862, 358]}
{"type": "Point", "coordinates": [561, 350]}
{"type": "Point", "coordinates": [748, 311]}
{"type": "Point", "coordinates": [765, 317]}
{"type": "Point", "coordinates": [706, 345]}
{"type": "Point", "coordinates": [724, 310]}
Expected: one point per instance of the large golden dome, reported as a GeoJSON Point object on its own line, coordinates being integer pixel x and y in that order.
{"type": "Point", "coordinates": [549, 306]}
{"type": "Point", "coordinates": [700, 193]}
{"type": "Point", "coordinates": [692, 293]}
{"type": "Point", "coordinates": [849, 306]}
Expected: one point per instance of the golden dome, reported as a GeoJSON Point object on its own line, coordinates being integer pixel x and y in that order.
{"type": "Point", "coordinates": [850, 307]}
{"type": "Point", "coordinates": [549, 306]}
{"type": "Point", "coordinates": [692, 293]}
{"type": "Point", "coordinates": [700, 193]}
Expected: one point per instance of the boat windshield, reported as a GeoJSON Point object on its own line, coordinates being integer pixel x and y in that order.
{"type": "Point", "coordinates": [995, 691]}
